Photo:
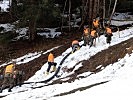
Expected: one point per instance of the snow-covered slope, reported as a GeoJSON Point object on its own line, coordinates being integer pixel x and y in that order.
{"type": "Point", "coordinates": [112, 83]}
{"type": "Point", "coordinates": [119, 73]}
{"type": "Point", "coordinates": [4, 4]}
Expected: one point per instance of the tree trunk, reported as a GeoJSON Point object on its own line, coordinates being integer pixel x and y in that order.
{"type": "Point", "coordinates": [112, 12]}
{"type": "Point", "coordinates": [95, 11]}
{"type": "Point", "coordinates": [32, 21]}
{"type": "Point", "coordinates": [69, 15]}
{"type": "Point", "coordinates": [109, 8]}
{"type": "Point", "coordinates": [98, 6]}
{"type": "Point", "coordinates": [84, 12]}
{"type": "Point", "coordinates": [32, 29]}
{"type": "Point", "coordinates": [104, 12]}
{"type": "Point", "coordinates": [13, 8]}
{"type": "Point", "coordinates": [90, 13]}
{"type": "Point", "coordinates": [62, 21]}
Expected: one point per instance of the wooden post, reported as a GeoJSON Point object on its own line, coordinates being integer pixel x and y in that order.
{"type": "Point", "coordinates": [118, 30]}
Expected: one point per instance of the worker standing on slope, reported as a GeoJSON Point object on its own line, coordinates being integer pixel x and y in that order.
{"type": "Point", "coordinates": [108, 34]}
{"type": "Point", "coordinates": [94, 34]}
{"type": "Point", "coordinates": [51, 63]}
{"type": "Point", "coordinates": [96, 25]}
{"type": "Point", "coordinates": [8, 77]}
{"type": "Point", "coordinates": [86, 36]}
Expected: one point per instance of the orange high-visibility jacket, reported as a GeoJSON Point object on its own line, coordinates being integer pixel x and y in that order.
{"type": "Point", "coordinates": [75, 42]}
{"type": "Point", "coordinates": [93, 33]}
{"type": "Point", "coordinates": [86, 31]}
{"type": "Point", "coordinates": [9, 68]}
{"type": "Point", "coordinates": [96, 23]}
{"type": "Point", "coordinates": [50, 57]}
{"type": "Point", "coordinates": [108, 30]}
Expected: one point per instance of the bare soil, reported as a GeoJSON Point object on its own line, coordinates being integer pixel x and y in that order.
{"type": "Point", "coordinates": [20, 48]}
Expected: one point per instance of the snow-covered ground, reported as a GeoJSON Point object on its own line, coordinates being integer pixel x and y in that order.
{"type": "Point", "coordinates": [29, 57]}
{"type": "Point", "coordinates": [122, 16]}
{"type": "Point", "coordinates": [4, 5]}
{"type": "Point", "coordinates": [119, 23]}
{"type": "Point", "coordinates": [119, 76]}
{"type": "Point", "coordinates": [122, 19]}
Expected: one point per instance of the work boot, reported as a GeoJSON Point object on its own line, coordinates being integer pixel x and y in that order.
{"type": "Point", "coordinates": [9, 90]}
{"type": "Point", "coordinates": [78, 48]}
{"type": "Point", "coordinates": [1, 90]}
{"type": "Point", "coordinates": [84, 44]}
{"type": "Point", "coordinates": [53, 69]}
{"type": "Point", "coordinates": [46, 73]}
{"type": "Point", "coordinates": [20, 84]}
{"type": "Point", "coordinates": [73, 51]}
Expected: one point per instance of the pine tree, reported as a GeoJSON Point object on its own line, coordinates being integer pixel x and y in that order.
{"type": "Point", "coordinates": [35, 12]}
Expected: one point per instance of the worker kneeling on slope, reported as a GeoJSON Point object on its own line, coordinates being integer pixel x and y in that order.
{"type": "Point", "coordinates": [51, 63]}
{"type": "Point", "coordinates": [18, 75]}
{"type": "Point", "coordinates": [75, 46]}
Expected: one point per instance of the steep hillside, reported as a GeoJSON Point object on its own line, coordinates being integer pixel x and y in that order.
{"type": "Point", "coordinates": [102, 59]}
{"type": "Point", "coordinates": [20, 48]}
{"type": "Point", "coordinates": [81, 65]}
{"type": "Point", "coordinates": [81, 71]}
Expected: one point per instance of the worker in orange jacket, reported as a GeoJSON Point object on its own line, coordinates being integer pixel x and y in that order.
{"type": "Point", "coordinates": [96, 25]}
{"type": "Point", "coordinates": [86, 36]}
{"type": "Point", "coordinates": [51, 63]}
{"type": "Point", "coordinates": [75, 45]}
{"type": "Point", "coordinates": [8, 77]}
{"type": "Point", "coordinates": [108, 34]}
{"type": "Point", "coordinates": [94, 34]}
